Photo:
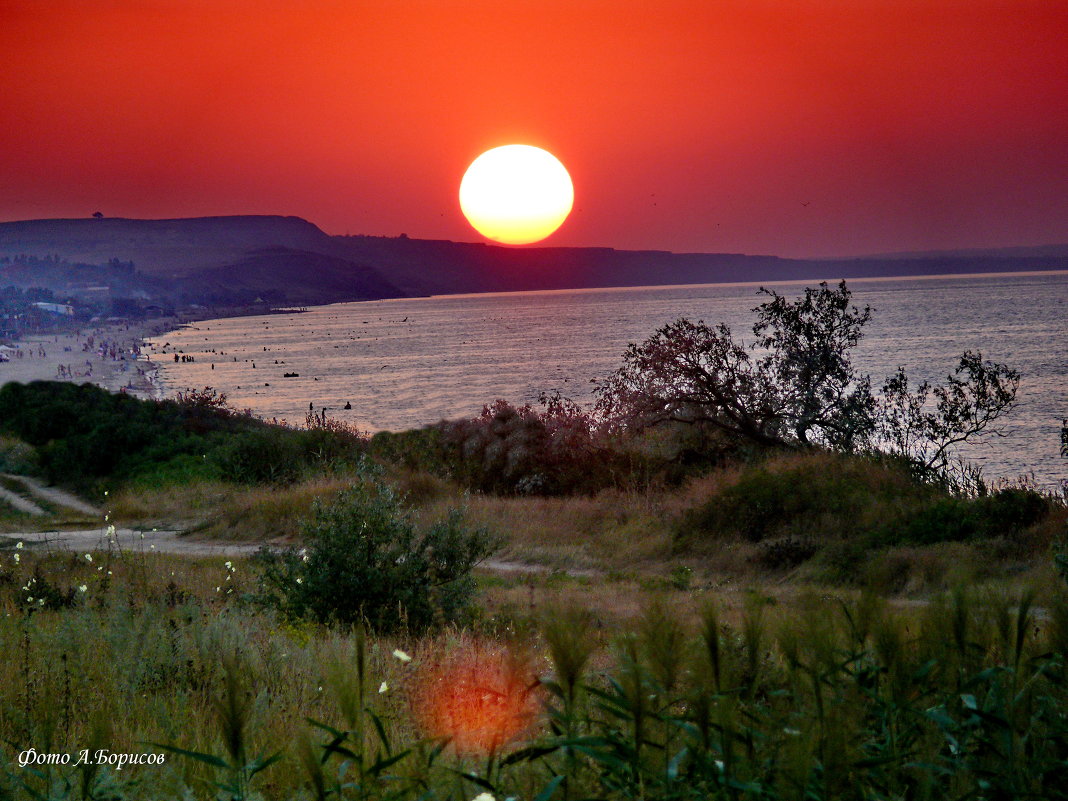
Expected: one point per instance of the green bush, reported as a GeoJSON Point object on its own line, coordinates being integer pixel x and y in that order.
{"type": "Point", "coordinates": [364, 561]}
{"type": "Point", "coordinates": [818, 496]}
{"type": "Point", "coordinates": [270, 456]}
{"type": "Point", "coordinates": [1005, 513]}
{"type": "Point", "coordinates": [118, 438]}
{"type": "Point", "coordinates": [821, 498]}
{"type": "Point", "coordinates": [17, 456]}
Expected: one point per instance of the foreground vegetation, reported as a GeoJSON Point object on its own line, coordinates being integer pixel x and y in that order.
{"type": "Point", "coordinates": [818, 698]}
{"type": "Point", "coordinates": [746, 574]}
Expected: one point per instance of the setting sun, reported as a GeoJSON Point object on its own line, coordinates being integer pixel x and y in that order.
{"type": "Point", "coordinates": [516, 194]}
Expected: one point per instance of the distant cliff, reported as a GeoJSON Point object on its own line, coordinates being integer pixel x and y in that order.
{"type": "Point", "coordinates": [290, 260]}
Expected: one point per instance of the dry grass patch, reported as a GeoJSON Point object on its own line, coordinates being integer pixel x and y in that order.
{"type": "Point", "coordinates": [612, 530]}
{"type": "Point", "coordinates": [268, 513]}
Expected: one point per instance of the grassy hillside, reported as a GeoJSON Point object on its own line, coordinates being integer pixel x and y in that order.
{"type": "Point", "coordinates": [756, 625]}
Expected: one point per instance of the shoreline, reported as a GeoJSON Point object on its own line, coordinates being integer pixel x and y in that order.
{"type": "Point", "coordinates": [115, 357]}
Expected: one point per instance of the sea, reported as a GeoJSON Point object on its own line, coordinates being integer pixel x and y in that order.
{"type": "Point", "coordinates": [400, 364]}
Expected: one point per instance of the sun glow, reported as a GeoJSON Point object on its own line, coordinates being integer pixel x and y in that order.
{"type": "Point", "coordinates": [516, 194]}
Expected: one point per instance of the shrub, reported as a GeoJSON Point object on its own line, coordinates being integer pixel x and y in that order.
{"type": "Point", "coordinates": [825, 497]}
{"type": "Point", "coordinates": [818, 495]}
{"type": "Point", "coordinates": [17, 456]}
{"type": "Point", "coordinates": [520, 449]}
{"type": "Point", "coordinates": [1006, 513]}
{"type": "Point", "coordinates": [785, 553]}
{"type": "Point", "coordinates": [271, 456]}
{"type": "Point", "coordinates": [364, 561]}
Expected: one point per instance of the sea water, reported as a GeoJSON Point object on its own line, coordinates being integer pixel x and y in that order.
{"type": "Point", "coordinates": [407, 363]}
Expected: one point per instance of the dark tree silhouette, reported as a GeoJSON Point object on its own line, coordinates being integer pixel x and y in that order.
{"type": "Point", "coordinates": [796, 386]}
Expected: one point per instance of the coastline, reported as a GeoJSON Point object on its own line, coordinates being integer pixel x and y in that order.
{"type": "Point", "coordinates": [114, 357]}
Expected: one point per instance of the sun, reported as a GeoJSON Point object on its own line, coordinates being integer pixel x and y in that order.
{"type": "Point", "coordinates": [516, 194]}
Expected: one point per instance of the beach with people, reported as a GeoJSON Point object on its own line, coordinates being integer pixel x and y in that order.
{"type": "Point", "coordinates": [113, 356]}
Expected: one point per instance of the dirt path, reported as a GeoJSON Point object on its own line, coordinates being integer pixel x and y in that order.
{"type": "Point", "coordinates": [20, 503]}
{"type": "Point", "coordinates": [53, 495]}
{"type": "Point", "coordinates": [175, 542]}
{"type": "Point", "coordinates": [96, 539]}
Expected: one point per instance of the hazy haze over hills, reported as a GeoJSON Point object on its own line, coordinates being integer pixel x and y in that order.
{"type": "Point", "coordinates": [290, 260]}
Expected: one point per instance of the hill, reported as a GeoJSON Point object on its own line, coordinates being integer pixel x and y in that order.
{"type": "Point", "coordinates": [287, 260]}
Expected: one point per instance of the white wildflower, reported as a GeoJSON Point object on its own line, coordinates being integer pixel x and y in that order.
{"type": "Point", "coordinates": [484, 797]}
{"type": "Point", "coordinates": [16, 559]}
{"type": "Point", "coordinates": [88, 557]}
{"type": "Point", "coordinates": [403, 657]}
{"type": "Point", "coordinates": [383, 687]}
{"type": "Point", "coordinates": [82, 588]}
{"type": "Point", "coordinates": [300, 580]}
{"type": "Point", "coordinates": [18, 546]}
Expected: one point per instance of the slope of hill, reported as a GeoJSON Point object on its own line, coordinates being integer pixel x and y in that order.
{"type": "Point", "coordinates": [290, 260]}
{"type": "Point", "coordinates": [170, 248]}
{"type": "Point", "coordinates": [282, 276]}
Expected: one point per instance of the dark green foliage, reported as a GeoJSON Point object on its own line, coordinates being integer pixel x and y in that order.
{"type": "Point", "coordinates": [819, 495]}
{"type": "Point", "coordinates": [825, 498]}
{"type": "Point", "coordinates": [795, 387]}
{"type": "Point", "coordinates": [786, 552]}
{"type": "Point", "coordinates": [267, 456]}
{"type": "Point", "coordinates": [365, 561]}
{"type": "Point", "coordinates": [417, 449]}
{"type": "Point", "coordinates": [553, 450]}
{"type": "Point", "coordinates": [119, 438]}
{"type": "Point", "coordinates": [1006, 513]}
{"type": "Point", "coordinates": [18, 457]}
{"type": "Point", "coordinates": [858, 711]}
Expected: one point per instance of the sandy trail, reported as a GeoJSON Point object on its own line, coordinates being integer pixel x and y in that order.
{"type": "Point", "coordinates": [176, 542]}
{"type": "Point", "coordinates": [128, 539]}
{"type": "Point", "coordinates": [54, 495]}
{"type": "Point", "coordinates": [20, 503]}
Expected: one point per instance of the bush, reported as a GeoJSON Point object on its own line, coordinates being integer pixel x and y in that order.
{"type": "Point", "coordinates": [785, 553]}
{"type": "Point", "coordinates": [819, 496]}
{"type": "Point", "coordinates": [116, 438]}
{"type": "Point", "coordinates": [270, 456]}
{"type": "Point", "coordinates": [364, 561]}
{"type": "Point", "coordinates": [17, 456]}
{"type": "Point", "coordinates": [522, 450]}
{"type": "Point", "coordinates": [1006, 513]}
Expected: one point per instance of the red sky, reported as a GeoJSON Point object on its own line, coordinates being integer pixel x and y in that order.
{"type": "Point", "coordinates": [687, 126]}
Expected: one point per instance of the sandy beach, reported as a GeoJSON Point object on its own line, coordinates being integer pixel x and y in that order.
{"type": "Point", "coordinates": [114, 357]}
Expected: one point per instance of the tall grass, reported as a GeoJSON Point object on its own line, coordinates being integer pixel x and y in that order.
{"type": "Point", "coordinates": [817, 699]}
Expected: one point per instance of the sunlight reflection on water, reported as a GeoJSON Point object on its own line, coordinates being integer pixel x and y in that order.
{"type": "Point", "coordinates": [407, 363]}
